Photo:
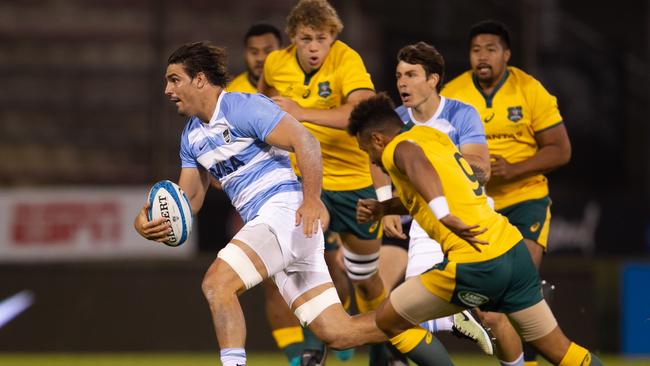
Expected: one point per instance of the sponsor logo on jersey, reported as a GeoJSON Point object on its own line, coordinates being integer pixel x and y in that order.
{"type": "Point", "coordinates": [472, 299]}
{"type": "Point", "coordinates": [324, 90]}
{"type": "Point", "coordinates": [488, 118]}
{"type": "Point", "coordinates": [515, 113]}
{"type": "Point", "coordinates": [227, 137]}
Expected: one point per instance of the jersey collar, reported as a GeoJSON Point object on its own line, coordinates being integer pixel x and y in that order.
{"type": "Point", "coordinates": [435, 116]}
{"type": "Point", "coordinates": [488, 98]}
{"type": "Point", "coordinates": [215, 116]}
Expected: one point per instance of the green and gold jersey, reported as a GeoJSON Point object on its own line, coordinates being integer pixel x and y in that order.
{"type": "Point", "coordinates": [518, 108]}
{"type": "Point", "coordinates": [241, 84]}
{"type": "Point", "coordinates": [345, 166]}
{"type": "Point", "coordinates": [463, 193]}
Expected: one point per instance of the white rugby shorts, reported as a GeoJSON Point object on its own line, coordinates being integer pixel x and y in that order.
{"type": "Point", "coordinates": [295, 262]}
{"type": "Point", "coordinates": [424, 252]}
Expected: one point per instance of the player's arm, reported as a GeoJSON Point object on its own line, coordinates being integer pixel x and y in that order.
{"type": "Point", "coordinates": [335, 117]}
{"type": "Point", "coordinates": [290, 135]}
{"type": "Point", "coordinates": [194, 183]}
{"type": "Point", "coordinates": [554, 150]}
{"type": "Point", "coordinates": [410, 159]}
{"type": "Point", "coordinates": [391, 224]}
{"type": "Point", "coordinates": [478, 157]}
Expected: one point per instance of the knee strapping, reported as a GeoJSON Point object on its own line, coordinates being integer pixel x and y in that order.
{"type": "Point", "coordinates": [311, 309]}
{"type": "Point", "coordinates": [241, 264]}
{"type": "Point", "coordinates": [360, 266]}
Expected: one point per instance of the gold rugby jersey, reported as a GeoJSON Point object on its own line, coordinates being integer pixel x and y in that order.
{"type": "Point", "coordinates": [518, 108]}
{"type": "Point", "coordinates": [345, 166]}
{"type": "Point", "coordinates": [463, 193]}
{"type": "Point", "coordinates": [241, 84]}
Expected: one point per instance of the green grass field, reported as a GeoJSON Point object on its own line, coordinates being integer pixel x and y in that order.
{"type": "Point", "coordinates": [204, 359]}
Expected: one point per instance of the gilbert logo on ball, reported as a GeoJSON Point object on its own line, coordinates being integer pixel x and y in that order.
{"type": "Point", "coordinates": [167, 200]}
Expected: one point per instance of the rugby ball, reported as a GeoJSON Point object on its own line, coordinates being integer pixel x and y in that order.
{"type": "Point", "coordinates": [167, 200]}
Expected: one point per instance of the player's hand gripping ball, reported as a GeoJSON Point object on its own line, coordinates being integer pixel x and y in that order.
{"type": "Point", "coordinates": [167, 200]}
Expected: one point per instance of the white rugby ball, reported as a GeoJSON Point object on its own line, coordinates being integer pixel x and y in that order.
{"type": "Point", "coordinates": [167, 200]}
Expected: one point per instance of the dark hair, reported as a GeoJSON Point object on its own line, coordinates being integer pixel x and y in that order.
{"type": "Point", "coordinates": [491, 27]}
{"type": "Point", "coordinates": [202, 57]}
{"type": "Point", "coordinates": [263, 28]}
{"type": "Point", "coordinates": [376, 113]}
{"type": "Point", "coordinates": [426, 55]}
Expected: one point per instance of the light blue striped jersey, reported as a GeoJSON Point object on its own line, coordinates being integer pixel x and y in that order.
{"type": "Point", "coordinates": [232, 148]}
{"type": "Point", "coordinates": [458, 120]}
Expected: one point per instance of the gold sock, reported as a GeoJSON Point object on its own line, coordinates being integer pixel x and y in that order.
{"type": "Point", "coordinates": [406, 341]}
{"type": "Point", "coordinates": [286, 336]}
{"type": "Point", "coordinates": [576, 356]}
{"type": "Point", "coordinates": [365, 306]}
{"type": "Point", "coordinates": [531, 363]}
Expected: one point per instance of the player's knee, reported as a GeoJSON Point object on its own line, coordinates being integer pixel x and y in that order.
{"type": "Point", "coordinates": [493, 320]}
{"type": "Point", "coordinates": [385, 322]}
{"type": "Point", "coordinates": [360, 267]}
{"type": "Point", "coordinates": [211, 286]}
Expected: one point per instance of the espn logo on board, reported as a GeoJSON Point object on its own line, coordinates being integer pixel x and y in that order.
{"type": "Point", "coordinates": [61, 223]}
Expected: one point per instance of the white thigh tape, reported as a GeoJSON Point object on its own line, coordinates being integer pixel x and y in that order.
{"type": "Point", "coordinates": [240, 263]}
{"type": "Point", "coordinates": [360, 266]}
{"type": "Point", "coordinates": [310, 310]}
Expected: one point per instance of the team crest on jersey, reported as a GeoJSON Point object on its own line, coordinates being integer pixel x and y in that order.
{"type": "Point", "coordinates": [324, 89]}
{"type": "Point", "coordinates": [515, 113]}
{"type": "Point", "coordinates": [227, 137]}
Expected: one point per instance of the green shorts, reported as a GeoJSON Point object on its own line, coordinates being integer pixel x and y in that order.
{"type": "Point", "coordinates": [532, 218]}
{"type": "Point", "coordinates": [507, 283]}
{"type": "Point", "coordinates": [342, 206]}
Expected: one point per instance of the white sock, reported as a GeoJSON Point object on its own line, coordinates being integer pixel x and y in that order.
{"type": "Point", "coordinates": [233, 357]}
{"type": "Point", "coordinates": [444, 324]}
{"type": "Point", "coordinates": [518, 362]}
{"type": "Point", "coordinates": [438, 325]}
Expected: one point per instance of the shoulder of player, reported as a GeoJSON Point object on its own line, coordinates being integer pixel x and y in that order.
{"type": "Point", "coordinates": [522, 78]}
{"type": "Point", "coordinates": [236, 80]}
{"type": "Point", "coordinates": [458, 108]}
{"type": "Point", "coordinates": [403, 113]}
{"type": "Point", "coordinates": [235, 104]}
{"type": "Point", "coordinates": [340, 51]}
{"type": "Point", "coordinates": [192, 124]}
{"type": "Point", "coordinates": [459, 82]}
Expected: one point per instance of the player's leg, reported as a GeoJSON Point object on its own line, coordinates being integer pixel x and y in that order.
{"type": "Point", "coordinates": [508, 347]}
{"type": "Point", "coordinates": [392, 265]}
{"type": "Point", "coordinates": [260, 249]}
{"type": "Point", "coordinates": [393, 259]}
{"type": "Point", "coordinates": [361, 245]}
{"type": "Point", "coordinates": [334, 260]}
{"type": "Point", "coordinates": [410, 304]}
{"type": "Point", "coordinates": [236, 269]}
{"type": "Point", "coordinates": [532, 218]}
{"type": "Point", "coordinates": [424, 253]}
{"type": "Point", "coordinates": [306, 286]}
{"type": "Point", "coordinates": [361, 260]}
{"type": "Point", "coordinates": [531, 315]}
{"type": "Point", "coordinates": [538, 326]}
{"type": "Point", "coordinates": [286, 329]}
